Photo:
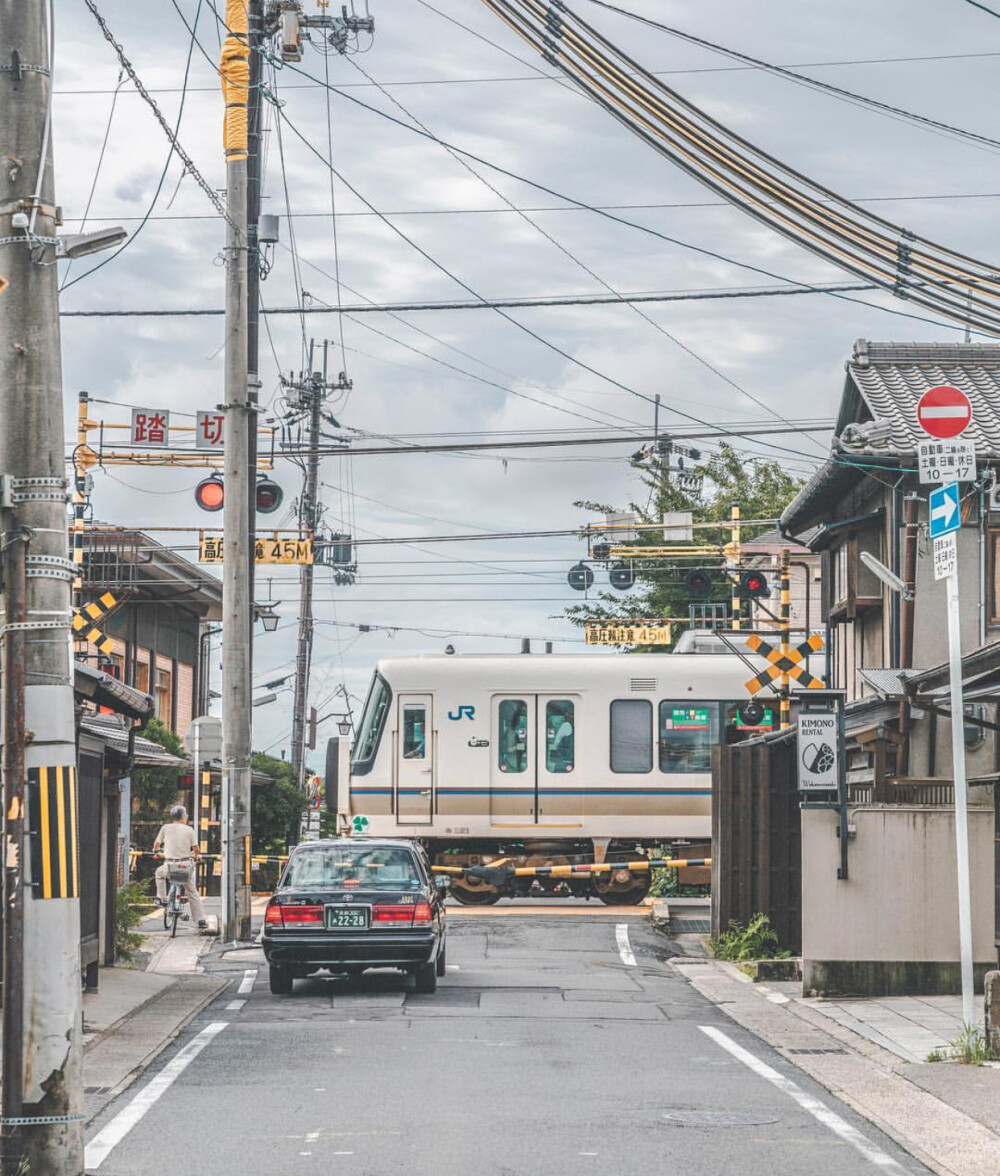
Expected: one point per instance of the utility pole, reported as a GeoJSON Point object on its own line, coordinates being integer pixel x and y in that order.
{"type": "Point", "coordinates": [42, 1131]}
{"type": "Point", "coordinates": [311, 393]}
{"type": "Point", "coordinates": [239, 480]}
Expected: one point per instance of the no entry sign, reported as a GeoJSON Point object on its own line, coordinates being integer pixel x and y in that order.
{"type": "Point", "coordinates": [944, 411]}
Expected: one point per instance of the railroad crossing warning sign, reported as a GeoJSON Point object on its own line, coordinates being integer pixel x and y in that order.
{"type": "Point", "coordinates": [792, 663]}
{"type": "Point", "coordinates": [85, 622]}
{"type": "Point", "coordinates": [944, 411]}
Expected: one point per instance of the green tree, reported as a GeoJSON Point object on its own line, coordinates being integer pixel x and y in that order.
{"type": "Point", "coordinates": [276, 808]}
{"type": "Point", "coordinates": [155, 790]}
{"type": "Point", "coordinates": [762, 488]}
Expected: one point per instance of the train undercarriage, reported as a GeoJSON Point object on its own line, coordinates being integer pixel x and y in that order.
{"type": "Point", "coordinates": [617, 887]}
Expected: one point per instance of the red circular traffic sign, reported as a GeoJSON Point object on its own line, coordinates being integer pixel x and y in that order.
{"type": "Point", "coordinates": [944, 411]}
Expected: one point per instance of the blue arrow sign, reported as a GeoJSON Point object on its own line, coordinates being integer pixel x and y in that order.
{"type": "Point", "coordinates": [945, 510]}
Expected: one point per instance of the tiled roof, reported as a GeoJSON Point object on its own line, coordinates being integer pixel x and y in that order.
{"type": "Point", "coordinates": [112, 732]}
{"type": "Point", "coordinates": [886, 380]}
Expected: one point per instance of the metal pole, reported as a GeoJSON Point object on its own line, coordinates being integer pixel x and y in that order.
{"type": "Point", "coordinates": [961, 802]}
{"type": "Point", "coordinates": [255, 157]}
{"type": "Point", "coordinates": [32, 447]}
{"type": "Point", "coordinates": [908, 605]}
{"type": "Point", "coordinates": [734, 541]}
{"type": "Point", "coordinates": [236, 604]}
{"type": "Point", "coordinates": [785, 613]}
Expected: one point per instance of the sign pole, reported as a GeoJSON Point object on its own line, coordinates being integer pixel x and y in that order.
{"type": "Point", "coordinates": [961, 801]}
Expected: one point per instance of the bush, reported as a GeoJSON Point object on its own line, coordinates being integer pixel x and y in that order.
{"type": "Point", "coordinates": [132, 905]}
{"type": "Point", "coordinates": [756, 941]}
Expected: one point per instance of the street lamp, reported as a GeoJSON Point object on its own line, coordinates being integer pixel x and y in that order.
{"type": "Point", "coordinates": [344, 726]}
{"type": "Point", "coordinates": [268, 617]}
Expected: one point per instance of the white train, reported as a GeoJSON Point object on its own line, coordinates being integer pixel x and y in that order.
{"type": "Point", "coordinates": [545, 758]}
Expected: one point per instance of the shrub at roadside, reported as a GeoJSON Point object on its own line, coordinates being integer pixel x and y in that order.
{"type": "Point", "coordinates": [756, 941]}
{"type": "Point", "coordinates": [133, 904]}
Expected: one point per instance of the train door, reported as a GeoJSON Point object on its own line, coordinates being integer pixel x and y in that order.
{"type": "Point", "coordinates": [513, 776]}
{"type": "Point", "coordinates": [534, 775]}
{"type": "Point", "coordinates": [414, 775]}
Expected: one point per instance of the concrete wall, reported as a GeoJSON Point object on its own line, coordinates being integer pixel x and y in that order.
{"type": "Point", "coordinates": [892, 926]}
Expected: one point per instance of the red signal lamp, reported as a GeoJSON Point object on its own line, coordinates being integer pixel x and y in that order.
{"type": "Point", "coordinates": [210, 493]}
{"type": "Point", "coordinates": [753, 585]}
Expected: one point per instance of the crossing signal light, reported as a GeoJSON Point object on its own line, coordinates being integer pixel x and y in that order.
{"type": "Point", "coordinates": [269, 496]}
{"type": "Point", "coordinates": [753, 585]}
{"type": "Point", "coordinates": [621, 576]}
{"type": "Point", "coordinates": [698, 584]}
{"type": "Point", "coordinates": [580, 577]}
{"type": "Point", "coordinates": [210, 493]}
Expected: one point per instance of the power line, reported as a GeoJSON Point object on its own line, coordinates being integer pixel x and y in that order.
{"type": "Point", "coordinates": [983, 7]}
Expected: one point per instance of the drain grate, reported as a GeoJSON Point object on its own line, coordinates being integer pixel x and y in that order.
{"type": "Point", "coordinates": [691, 926]}
{"type": "Point", "coordinates": [96, 1089]}
{"type": "Point", "coordinates": [702, 1118]}
{"type": "Point", "coordinates": [816, 1051]}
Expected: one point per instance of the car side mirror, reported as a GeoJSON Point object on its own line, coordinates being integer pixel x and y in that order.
{"type": "Point", "coordinates": [443, 883]}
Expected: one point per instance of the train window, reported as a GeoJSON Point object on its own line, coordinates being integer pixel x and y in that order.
{"type": "Point", "coordinates": [513, 743]}
{"type": "Point", "coordinates": [631, 735]}
{"type": "Point", "coordinates": [746, 719]}
{"type": "Point", "coordinates": [414, 731]}
{"type": "Point", "coordinates": [688, 732]}
{"type": "Point", "coordinates": [560, 738]}
{"type": "Point", "coordinates": [370, 727]}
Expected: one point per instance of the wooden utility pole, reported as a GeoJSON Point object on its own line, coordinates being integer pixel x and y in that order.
{"type": "Point", "coordinates": [239, 476]}
{"type": "Point", "coordinates": [42, 1080]}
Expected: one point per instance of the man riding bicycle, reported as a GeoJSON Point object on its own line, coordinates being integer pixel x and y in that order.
{"type": "Point", "coordinates": [179, 844]}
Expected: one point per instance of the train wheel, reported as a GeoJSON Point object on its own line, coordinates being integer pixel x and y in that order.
{"type": "Point", "coordinates": [546, 883]}
{"type": "Point", "coordinates": [621, 887]}
{"type": "Point", "coordinates": [472, 892]}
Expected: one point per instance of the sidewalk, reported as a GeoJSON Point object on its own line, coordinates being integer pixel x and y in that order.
{"type": "Point", "coordinates": [871, 1054]}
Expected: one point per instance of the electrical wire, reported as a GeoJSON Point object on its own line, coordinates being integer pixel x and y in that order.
{"type": "Point", "coordinates": [983, 8]}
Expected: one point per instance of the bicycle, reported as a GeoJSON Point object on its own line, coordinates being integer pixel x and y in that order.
{"type": "Point", "coordinates": [176, 898]}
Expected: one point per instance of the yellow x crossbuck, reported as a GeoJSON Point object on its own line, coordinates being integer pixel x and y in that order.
{"type": "Point", "coordinates": [791, 663]}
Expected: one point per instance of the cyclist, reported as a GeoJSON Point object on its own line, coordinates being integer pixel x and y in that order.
{"type": "Point", "coordinates": [179, 844]}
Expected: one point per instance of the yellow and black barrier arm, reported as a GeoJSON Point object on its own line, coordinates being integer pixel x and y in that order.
{"type": "Point", "coordinates": [498, 875]}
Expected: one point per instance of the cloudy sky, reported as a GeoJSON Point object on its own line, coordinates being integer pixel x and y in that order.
{"type": "Point", "coordinates": [472, 371]}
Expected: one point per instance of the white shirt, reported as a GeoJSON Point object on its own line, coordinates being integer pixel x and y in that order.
{"type": "Point", "coordinates": [177, 840]}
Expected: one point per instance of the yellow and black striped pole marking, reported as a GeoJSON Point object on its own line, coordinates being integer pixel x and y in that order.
{"type": "Point", "coordinates": [52, 821]}
{"type": "Point", "coordinates": [791, 663]}
{"type": "Point", "coordinates": [205, 800]}
{"type": "Point", "coordinates": [785, 614]}
{"type": "Point", "coordinates": [734, 540]}
{"type": "Point", "coordinates": [86, 618]}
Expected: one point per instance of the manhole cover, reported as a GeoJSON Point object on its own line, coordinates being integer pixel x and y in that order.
{"type": "Point", "coordinates": [684, 1118]}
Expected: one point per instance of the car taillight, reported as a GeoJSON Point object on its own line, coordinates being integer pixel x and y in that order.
{"type": "Point", "coordinates": [400, 914]}
{"type": "Point", "coordinates": [272, 916]}
{"type": "Point", "coordinates": [301, 914]}
{"type": "Point", "coordinates": [422, 915]}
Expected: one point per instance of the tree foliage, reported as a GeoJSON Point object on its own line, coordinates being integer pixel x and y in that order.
{"type": "Point", "coordinates": [276, 808]}
{"type": "Point", "coordinates": [155, 789]}
{"type": "Point", "coordinates": [762, 488]}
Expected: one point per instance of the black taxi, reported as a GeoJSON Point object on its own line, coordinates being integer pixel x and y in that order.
{"type": "Point", "coordinates": [349, 903]}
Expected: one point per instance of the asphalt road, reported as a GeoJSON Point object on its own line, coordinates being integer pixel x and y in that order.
{"type": "Point", "coordinates": [554, 1045]}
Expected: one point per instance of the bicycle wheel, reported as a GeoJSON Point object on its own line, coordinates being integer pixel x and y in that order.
{"type": "Point", "coordinates": [166, 916]}
{"type": "Point", "coordinates": [175, 914]}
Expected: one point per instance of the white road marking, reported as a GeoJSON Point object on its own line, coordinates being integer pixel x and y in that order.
{"type": "Point", "coordinates": [246, 984]}
{"type": "Point", "coordinates": [451, 967]}
{"type": "Point", "coordinates": [624, 947]}
{"type": "Point", "coordinates": [819, 1110]}
{"type": "Point", "coordinates": [234, 1006]}
{"type": "Point", "coordinates": [343, 1153]}
{"type": "Point", "coordinates": [112, 1133]}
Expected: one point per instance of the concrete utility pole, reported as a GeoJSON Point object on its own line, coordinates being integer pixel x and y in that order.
{"type": "Point", "coordinates": [41, 1039]}
{"type": "Point", "coordinates": [239, 477]}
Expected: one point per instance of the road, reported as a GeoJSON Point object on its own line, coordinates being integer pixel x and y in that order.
{"type": "Point", "coordinates": [554, 1044]}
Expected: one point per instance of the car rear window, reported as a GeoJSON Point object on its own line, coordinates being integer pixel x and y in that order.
{"type": "Point", "coordinates": [353, 866]}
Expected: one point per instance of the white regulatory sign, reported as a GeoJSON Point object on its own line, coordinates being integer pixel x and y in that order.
{"type": "Point", "coordinates": [817, 751]}
{"type": "Point", "coordinates": [952, 460]}
{"type": "Point", "coordinates": [945, 556]}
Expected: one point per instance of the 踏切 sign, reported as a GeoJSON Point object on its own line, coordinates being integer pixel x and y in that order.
{"type": "Point", "coordinates": [944, 411]}
{"type": "Point", "coordinates": [945, 510]}
{"type": "Point", "coordinates": [151, 426]}
{"type": "Point", "coordinates": [209, 430]}
{"type": "Point", "coordinates": [211, 549]}
{"type": "Point", "coordinates": [626, 633]}
{"type": "Point", "coordinates": [818, 751]}
{"type": "Point", "coordinates": [945, 556]}
{"type": "Point", "coordinates": [947, 461]}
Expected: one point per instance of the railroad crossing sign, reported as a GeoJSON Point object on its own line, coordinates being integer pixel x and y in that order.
{"type": "Point", "coordinates": [85, 621]}
{"type": "Point", "coordinates": [792, 663]}
{"type": "Point", "coordinates": [945, 510]}
{"type": "Point", "coordinates": [944, 411]}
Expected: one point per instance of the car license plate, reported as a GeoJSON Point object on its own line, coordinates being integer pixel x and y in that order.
{"type": "Point", "coordinates": [347, 918]}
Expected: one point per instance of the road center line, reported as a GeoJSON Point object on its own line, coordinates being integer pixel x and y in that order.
{"type": "Point", "coordinates": [624, 947]}
{"type": "Point", "coordinates": [819, 1110]}
{"type": "Point", "coordinates": [246, 984]}
{"type": "Point", "coordinates": [112, 1133]}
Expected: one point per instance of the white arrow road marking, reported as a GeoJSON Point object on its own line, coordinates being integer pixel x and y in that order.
{"type": "Point", "coordinates": [112, 1133]}
{"type": "Point", "coordinates": [819, 1110]}
{"type": "Point", "coordinates": [624, 947]}
{"type": "Point", "coordinates": [945, 509]}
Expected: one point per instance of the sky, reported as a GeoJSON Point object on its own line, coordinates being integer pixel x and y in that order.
{"type": "Point", "coordinates": [448, 374]}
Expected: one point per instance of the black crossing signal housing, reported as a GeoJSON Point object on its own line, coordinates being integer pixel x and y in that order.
{"type": "Point", "coordinates": [269, 496]}
{"type": "Point", "coordinates": [753, 585]}
{"type": "Point", "coordinates": [698, 583]}
{"type": "Point", "coordinates": [210, 493]}
{"type": "Point", "coordinates": [621, 576]}
{"type": "Point", "coordinates": [580, 577]}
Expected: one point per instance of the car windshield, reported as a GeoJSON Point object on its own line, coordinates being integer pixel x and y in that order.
{"type": "Point", "coordinates": [347, 867]}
